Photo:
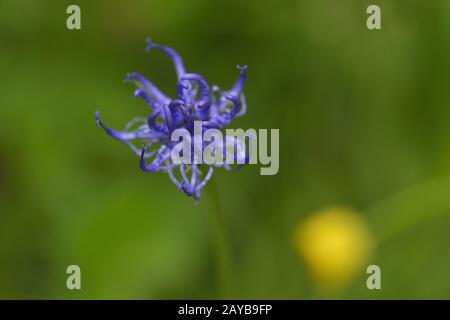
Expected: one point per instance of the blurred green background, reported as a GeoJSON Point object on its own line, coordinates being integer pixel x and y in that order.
{"type": "Point", "coordinates": [363, 118]}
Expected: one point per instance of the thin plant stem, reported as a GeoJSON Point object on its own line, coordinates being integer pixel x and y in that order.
{"type": "Point", "coordinates": [221, 243]}
{"type": "Point", "coordinates": [409, 208]}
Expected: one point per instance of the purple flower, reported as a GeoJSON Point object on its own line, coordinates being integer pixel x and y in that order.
{"type": "Point", "coordinates": [195, 101]}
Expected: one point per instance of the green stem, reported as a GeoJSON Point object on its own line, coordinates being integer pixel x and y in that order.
{"type": "Point", "coordinates": [221, 243]}
{"type": "Point", "coordinates": [409, 208]}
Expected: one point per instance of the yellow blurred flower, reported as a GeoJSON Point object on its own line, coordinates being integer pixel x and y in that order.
{"type": "Point", "coordinates": [335, 244]}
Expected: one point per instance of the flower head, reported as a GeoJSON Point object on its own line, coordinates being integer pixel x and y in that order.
{"type": "Point", "coordinates": [195, 101]}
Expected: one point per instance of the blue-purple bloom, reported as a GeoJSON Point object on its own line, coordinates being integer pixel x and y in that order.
{"type": "Point", "coordinates": [195, 101]}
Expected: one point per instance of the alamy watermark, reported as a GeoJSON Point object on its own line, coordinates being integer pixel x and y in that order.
{"type": "Point", "coordinates": [211, 147]}
{"type": "Point", "coordinates": [73, 281]}
{"type": "Point", "coordinates": [374, 280]}
{"type": "Point", "coordinates": [73, 21]}
{"type": "Point", "coordinates": [374, 20]}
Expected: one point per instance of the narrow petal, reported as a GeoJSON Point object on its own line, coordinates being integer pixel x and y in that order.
{"type": "Point", "coordinates": [135, 121]}
{"type": "Point", "coordinates": [205, 95]}
{"type": "Point", "coordinates": [186, 188]}
{"type": "Point", "coordinates": [206, 179]}
{"type": "Point", "coordinates": [154, 125]}
{"type": "Point", "coordinates": [181, 114]}
{"type": "Point", "coordinates": [141, 93]}
{"type": "Point", "coordinates": [185, 185]}
{"type": "Point", "coordinates": [173, 178]}
{"type": "Point", "coordinates": [150, 89]}
{"type": "Point", "coordinates": [243, 108]}
{"type": "Point", "coordinates": [194, 176]}
{"type": "Point", "coordinates": [183, 174]}
{"type": "Point", "coordinates": [121, 135]}
{"type": "Point", "coordinates": [156, 164]}
{"type": "Point", "coordinates": [236, 105]}
{"type": "Point", "coordinates": [182, 88]}
{"type": "Point", "coordinates": [168, 118]}
{"type": "Point", "coordinates": [239, 85]}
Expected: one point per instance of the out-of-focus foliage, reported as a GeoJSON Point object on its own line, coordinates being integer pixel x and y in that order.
{"type": "Point", "coordinates": [335, 244]}
{"type": "Point", "coordinates": [363, 118]}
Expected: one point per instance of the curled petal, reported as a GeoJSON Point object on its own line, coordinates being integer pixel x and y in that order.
{"type": "Point", "coordinates": [173, 178]}
{"type": "Point", "coordinates": [206, 179]}
{"type": "Point", "coordinates": [236, 91]}
{"type": "Point", "coordinates": [177, 114]}
{"type": "Point", "coordinates": [194, 180]}
{"type": "Point", "coordinates": [236, 105]}
{"type": "Point", "coordinates": [146, 167]}
{"type": "Point", "coordinates": [183, 174]}
{"type": "Point", "coordinates": [179, 111]}
{"type": "Point", "coordinates": [186, 188]}
{"type": "Point", "coordinates": [126, 136]}
{"type": "Point", "coordinates": [204, 102]}
{"type": "Point", "coordinates": [134, 122]}
{"type": "Point", "coordinates": [220, 120]}
{"type": "Point", "coordinates": [152, 124]}
{"type": "Point", "coordinates": [184, 185]}
{"type": "Point", "coordinates": [176, 59]}
{"type": "Point", "coordinates": [121, 135]}
{"type": "Point", "coordinates": [182, 86]}
{"type": "Point", "coordinates": [157, 164]}
{"type": "Point", "coordinates": [238, 86]}
{"type": "Point", "coordinates": [150, 89]}
{"type": "Point", "coordinates": [194, 175]}
{"type": "Point", "coordinates": [168, 118]}
{"type": "Point", "coordinates": [205, 96]}
{"type": "Point", "coordinates": [243, 108]}
{"type": "Point", "coordinates": [174, 104]}
{"type": "Point", "coordinates": [141, 93]}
